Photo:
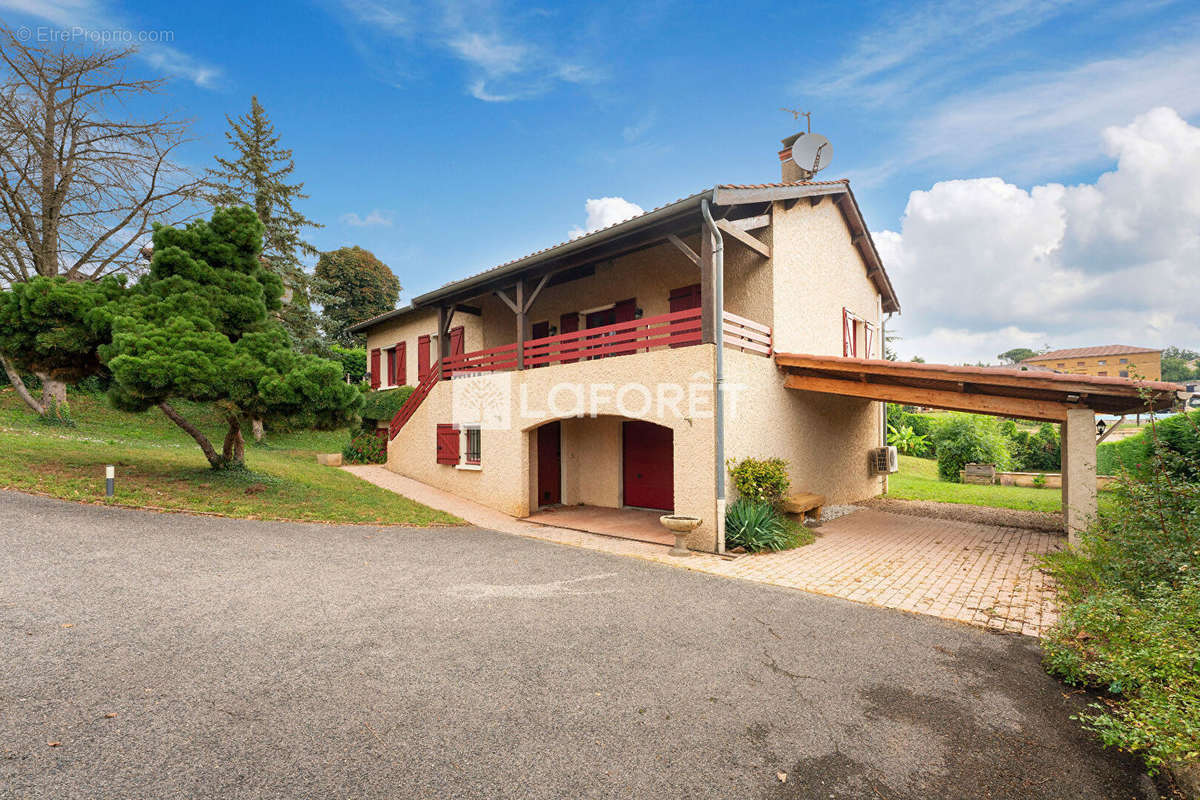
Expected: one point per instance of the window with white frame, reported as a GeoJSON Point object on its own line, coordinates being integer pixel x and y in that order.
{"type": "Point", "coordinates": [858, 335]}
{"type": "Point", "coordinates": [472, 442]}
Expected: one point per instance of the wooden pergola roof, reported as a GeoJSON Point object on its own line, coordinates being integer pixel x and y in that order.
{"type": "Point", "coordinates": [1000, 391]}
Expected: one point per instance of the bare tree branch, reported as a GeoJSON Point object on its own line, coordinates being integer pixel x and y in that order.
{"type": "Point", "coordinates": [80, 185]}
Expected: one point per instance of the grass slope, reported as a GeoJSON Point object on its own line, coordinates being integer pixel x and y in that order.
{"type": "Point", "coordinates": [159, 466]}
{"type": "Point", "coordinates": [918, 480]}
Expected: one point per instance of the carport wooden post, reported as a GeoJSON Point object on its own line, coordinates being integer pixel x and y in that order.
{"type": "Point", "coordinates": [1078, 471]}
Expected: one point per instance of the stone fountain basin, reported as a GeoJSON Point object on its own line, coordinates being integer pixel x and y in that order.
{"type": "Point", "coordinates": [679, 523]}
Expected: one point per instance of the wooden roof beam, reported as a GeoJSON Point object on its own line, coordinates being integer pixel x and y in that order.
{"type": "Point", "coordinates": [1019, 408]}
{"type": "Point", "coordinates": [745, 238]}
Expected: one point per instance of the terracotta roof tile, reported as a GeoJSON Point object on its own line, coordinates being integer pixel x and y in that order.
{"type": "Point", "coordinates": [1084, 352]}
{"type": "Point", "coordinates": [843, 181]}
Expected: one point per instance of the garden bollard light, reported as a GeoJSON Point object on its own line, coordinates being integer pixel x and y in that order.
{"type": "Point", "coordinates": [110, 478]}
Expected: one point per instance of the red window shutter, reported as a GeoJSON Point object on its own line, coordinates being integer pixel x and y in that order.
{"type": "Point", "coordinates": [684, 298]}
{"type": "Point", "coordinates": [422, 357]}
{"type": "Point", "coordinates": [447, 444]}
{"type": "Point", "coordinates": [869, 335]}
{"type": "Point", "coordinates": [848, 348]}
{"type": "Point", "coordinates": [457, 343]}
{"type": "Point", "coordinates": [401, 363]}
{"type": "Point", "coordinates": [625, 310]}
{"type": "Point", "coordinates": [375, 368]}
{"type": "Point", "coordinates": [391, 365]}
{"type": "Point", "coordinates": [569, 323]}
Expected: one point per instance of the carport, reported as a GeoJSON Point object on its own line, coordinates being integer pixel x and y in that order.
{"type": "Point", "coordinates": [1069, 400]}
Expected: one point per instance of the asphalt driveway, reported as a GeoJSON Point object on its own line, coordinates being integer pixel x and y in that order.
{"type": "Point", "coordinates": [175, 656]}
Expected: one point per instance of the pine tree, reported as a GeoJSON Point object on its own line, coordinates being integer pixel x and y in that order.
{"type": "Point", "coordinates": [258, 177]}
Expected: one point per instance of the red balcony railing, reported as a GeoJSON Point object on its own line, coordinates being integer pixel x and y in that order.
{"type": "Point", "coordinates": [677, 329]}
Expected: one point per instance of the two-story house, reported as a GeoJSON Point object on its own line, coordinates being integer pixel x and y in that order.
{"type": "Point", "coordinates": [624, 368]}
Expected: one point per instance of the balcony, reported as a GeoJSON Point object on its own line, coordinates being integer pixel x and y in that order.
{"type": "Point", "coordinates": [676, 329]}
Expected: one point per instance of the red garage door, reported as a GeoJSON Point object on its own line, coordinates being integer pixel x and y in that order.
{"type": "Point", "coordinates": [648, 461]}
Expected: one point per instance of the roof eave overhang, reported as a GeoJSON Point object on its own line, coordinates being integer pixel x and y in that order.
{"type": "Point", "coordinates": [847, 204]}
{"type": "Point", "coordinates": [484, 281]}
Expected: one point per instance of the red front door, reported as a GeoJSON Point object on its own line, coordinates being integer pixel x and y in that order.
{"type": "Point", "coordinates": [549, 464]}
{"type": "Point", "coordinates": [648, 461]}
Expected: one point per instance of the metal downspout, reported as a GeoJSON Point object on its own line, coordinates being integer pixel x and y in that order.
{"type": "Point", "coordinates": [719, 340]}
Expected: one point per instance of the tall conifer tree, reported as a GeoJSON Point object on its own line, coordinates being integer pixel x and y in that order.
{"type": "Point", "coordinates": [258, 176]}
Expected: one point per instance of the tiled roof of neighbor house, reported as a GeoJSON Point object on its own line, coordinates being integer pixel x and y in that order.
{"type": "Point", "coordinates": [722, 193]}
{"type": "Point", "coordinates": [1084, 352]}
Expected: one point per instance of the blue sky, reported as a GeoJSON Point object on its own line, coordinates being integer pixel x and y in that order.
{"type": "Point", "coordinates": [449, 137]}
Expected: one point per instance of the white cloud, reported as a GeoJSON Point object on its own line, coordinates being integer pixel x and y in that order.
{"type": "Point", "coordinates": [376, 218]}
{"type": "Point", "coordinates": [605, 211]}
{"type": "Point", "coordinates": [982, 265]}
{"type": "Point", "coordinates": [503, 61]}
{"type": "Point", "coordinates": [85, 21]}
{"type": "Point", "coordinates": [1045, 123]}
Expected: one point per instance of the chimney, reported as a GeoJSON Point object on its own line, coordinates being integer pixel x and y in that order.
{"type": "Point", "coordinates": [790, 169]}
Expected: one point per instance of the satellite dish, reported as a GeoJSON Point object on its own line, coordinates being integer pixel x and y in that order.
{"type": "Point", "coordinates": [812, 152]}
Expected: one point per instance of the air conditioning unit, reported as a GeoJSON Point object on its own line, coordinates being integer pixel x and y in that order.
{"type": "Point", "coordinates": [885, 460]}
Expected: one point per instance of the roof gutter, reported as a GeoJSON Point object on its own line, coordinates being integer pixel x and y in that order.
{"type": "Point", "coordinates": [718, 266]}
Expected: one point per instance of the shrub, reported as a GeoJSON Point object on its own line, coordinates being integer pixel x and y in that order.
{"type": "Point", "coordinates": [907, 441]}
{"type": "Point", "coordinates": [1178, 435]}
{"type": "Point", "coordinates": [58, 415]}
{"type": "Point", "coordinates": [354, 360]}
{"type": "Point", "coordinates": [1039, 481]}
{"type": "Point", "coordinates": [384, 405]}
{"type": "Point", "coordinates": [757, 526]}
{"type": "Point", "coordinates": [921, 424]}
{"type": "Point", "coordinates": [1036, 452]}
{"type": "Point", "coordinates": [365, 447]}
{"type": "Point", "coordinates": [1130, 596]}
{"type": "Point", "coordinates": [965, 438]}
{"type": "Point", "coordinates": [763, 480]}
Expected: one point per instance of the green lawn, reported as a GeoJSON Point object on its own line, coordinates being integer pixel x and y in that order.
{"type": "Point", "coordinates": [918, 480]}
{"type": "Point", "coordinates": [159, 466]}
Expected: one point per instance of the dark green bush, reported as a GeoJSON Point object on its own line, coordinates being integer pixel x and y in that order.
{"type": "Point", "coordinates": [756, 525]}
{"type": "Point", "coordinates": [969, 438]}
{"type": "Point", "coordinates": [382, 406]}
{"type": "Point", "coordinates": [354, 359]}
{"type": "Point", "coordinates": [1179, 434]}
{"type": "Point", "coordinates": [365, 447]}
{"type": "Point", "coordinates": [899, 417]}
{"type": "Point", "coordinates": [1035, 452]}
{"type": "Point", "coordinates": [1130, 620]}
{"type": "Point", "coordinates": [763, 479]}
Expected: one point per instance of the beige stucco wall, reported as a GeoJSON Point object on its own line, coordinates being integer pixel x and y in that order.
{"type": "Point", "coordinates": [509, 457]}
{"type": "Point", "coordinates": [410, 327]}
{"type": "Point", "coordinates": [591, 458]}
{"type": "Point", "coordinates": [825, 439]}
{"type": "Point", "coordinates": [817, 272]}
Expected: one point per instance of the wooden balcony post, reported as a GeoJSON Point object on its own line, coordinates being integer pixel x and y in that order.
{"type": "Point", "coordinates": [443, 341]}
{"type": "Point", "coordinates": [521, 317]}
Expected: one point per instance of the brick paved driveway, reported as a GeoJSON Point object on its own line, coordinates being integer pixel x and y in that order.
{"type": "Point", "coordinates": [980, 574]}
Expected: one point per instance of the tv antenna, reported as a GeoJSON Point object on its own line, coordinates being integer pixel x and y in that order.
{"type": "Point", "coordinates": [797, 114]}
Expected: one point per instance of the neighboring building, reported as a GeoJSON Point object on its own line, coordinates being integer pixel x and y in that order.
{"type": "Point", "coordinates": [1115, 360]}
{"type": "Point", "coordinates": [626, 318]}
